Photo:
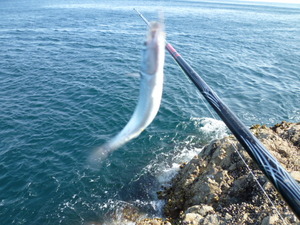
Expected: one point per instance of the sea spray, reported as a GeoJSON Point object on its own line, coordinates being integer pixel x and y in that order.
{"type": "Point", "coordinates": [160, 171]}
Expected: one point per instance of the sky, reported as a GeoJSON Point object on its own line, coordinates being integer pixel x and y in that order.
{"type": "Point", "coordinates": [277, 1]}
{"type": "Point", "coordinates": [261, 1]}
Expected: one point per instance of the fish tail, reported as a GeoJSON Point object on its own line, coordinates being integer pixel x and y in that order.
{"type": "Point", "coordinates": [99, 155]}
{"type": "Point", "coordinates": [102, 152]}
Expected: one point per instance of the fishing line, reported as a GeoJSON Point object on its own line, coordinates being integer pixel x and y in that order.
{"type": "Point", "coordinates": [248, 167]}
{"type": "Point", "coordinates": [255, 178]}
{"type": "Point", "coordinates": [243, 160]}
{"type": "Point", "coordinates": [287, 186]}
{"type": "Point", "coordinates": [245, 163]}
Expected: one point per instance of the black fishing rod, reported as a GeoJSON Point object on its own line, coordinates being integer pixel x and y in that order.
{"type": "Point", "coordinates": [279, 177]}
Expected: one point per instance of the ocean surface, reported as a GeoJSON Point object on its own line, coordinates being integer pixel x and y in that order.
{"type": "Point", "coordinates": [69, 81]}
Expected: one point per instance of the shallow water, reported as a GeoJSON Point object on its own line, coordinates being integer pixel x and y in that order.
{"type": "Point", "coordinates": [67, 87]}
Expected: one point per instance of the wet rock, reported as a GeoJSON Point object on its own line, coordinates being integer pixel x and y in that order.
{"type": "Point", "coordinates": [211, 220]}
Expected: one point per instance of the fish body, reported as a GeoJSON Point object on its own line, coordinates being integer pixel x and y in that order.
{"type": "Point", "coordinates": [151, 86]}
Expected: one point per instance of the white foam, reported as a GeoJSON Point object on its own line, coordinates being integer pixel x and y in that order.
{"type": "Point", "coordinates": [167, 169]}
{"type": "Point", "coordinates": [167, 164]}
{"type": "Point", "coordinates": [215, 128]}
{"type": "Point", "coordinates": [118, 207]}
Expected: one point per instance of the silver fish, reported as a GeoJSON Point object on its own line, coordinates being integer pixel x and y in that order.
{"type": "Point", "coordinates": [151, 87]}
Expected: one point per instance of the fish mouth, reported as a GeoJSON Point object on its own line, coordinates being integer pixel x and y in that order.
{"type": "Point", "coordinates": [155, 41]}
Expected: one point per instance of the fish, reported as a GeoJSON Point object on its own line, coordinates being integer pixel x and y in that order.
{"type": "Point", "coordinates": [150, 95]}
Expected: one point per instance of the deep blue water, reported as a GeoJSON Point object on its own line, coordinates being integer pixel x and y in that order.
{"type": "Point", "coordinates": [68, 84]}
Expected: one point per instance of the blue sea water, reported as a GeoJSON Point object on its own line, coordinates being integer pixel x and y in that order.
{"type": "Point", "coordinates": [68, 83]}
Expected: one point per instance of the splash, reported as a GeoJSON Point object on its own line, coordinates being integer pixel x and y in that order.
{"type": "Point", "coordinates": [164, 167]}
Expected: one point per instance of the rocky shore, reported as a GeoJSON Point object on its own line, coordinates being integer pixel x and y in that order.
{"type": "Point", "coordinates": [216, 187]}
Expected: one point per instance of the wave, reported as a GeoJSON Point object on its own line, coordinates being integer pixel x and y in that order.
{"type": "Point", "coordinates": [162, 169]}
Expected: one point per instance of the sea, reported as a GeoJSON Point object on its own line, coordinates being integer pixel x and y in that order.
{"type": "Point", "coordinates": [69, 81]}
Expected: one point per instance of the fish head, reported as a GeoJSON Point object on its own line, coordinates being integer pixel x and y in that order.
{"type": "Point", "coordinates": [154, 52]}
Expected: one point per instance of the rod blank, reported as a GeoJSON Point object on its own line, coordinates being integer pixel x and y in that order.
{"type": "Point", "coordinates": [277, 175]}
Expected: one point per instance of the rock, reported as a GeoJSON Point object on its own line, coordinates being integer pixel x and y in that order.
{"type": "Point", "coordinates": [155, 221]}
{"type": "Point", "coordinates": [228, 217]}
{"type": "Point", "coordinates": [270, 220]}
{"type": "Point", "coordinates": [296, 175]}
{"type": "Point", "coordinates": [127, 213]}
{"type": "Point", "coordinates": [210, 220]}
{"type": "Point", "coordinates": [216, 187]}
{"type": "Point", "coordinates": [191, 219]}
{"type": "Point", "coordinates": [202, 210]}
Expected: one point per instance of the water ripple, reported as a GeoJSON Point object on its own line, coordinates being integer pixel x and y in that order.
{"type": "Point", "coordinates": [65, 91]}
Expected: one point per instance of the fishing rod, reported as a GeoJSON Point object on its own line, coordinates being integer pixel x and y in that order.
{"type": "Point", "coordinates": [285, 184]}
